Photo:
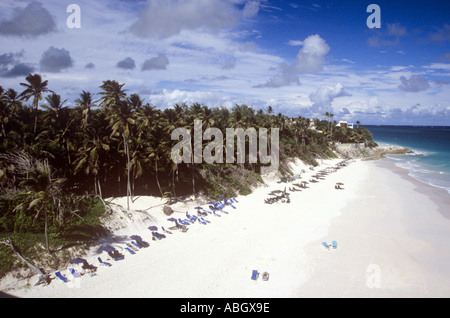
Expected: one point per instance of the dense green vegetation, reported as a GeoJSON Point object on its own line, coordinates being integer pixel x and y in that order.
{"type": "Point", "coordinates": [58, 162]}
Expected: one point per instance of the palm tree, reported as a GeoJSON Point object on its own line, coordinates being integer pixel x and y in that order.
{"type": "Point", "coordinates": [43, 190]}
{"type": "Point", "coordinates": [4, 112]}
{"type": "Point", "coordinates": [85, 103]}
{"type": "Point", "coordinates": [120, 119]}
{"type": "Point", "coordinates": [35, 88]}
{"type": "Point", "coordinates": [88, 160]}
{"type": "Point", "coordinates": [112, 94]}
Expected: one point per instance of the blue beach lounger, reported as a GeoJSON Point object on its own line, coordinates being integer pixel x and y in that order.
{"type": "Point", "coordinates": [74, 273]}
{"type": "Point", "coordinates": [61, 277]}
{"type": "Point", "coordinates": [165, 231]}
{"type": "Point", "coordinates": [102, 262]}
{"type": "Point", "coordinates": [326, 245]}
{"type": "Point", "coordinates": [227, 201]}
{"type": "Point", "coordinates": [204, 220]}
{"type": "Point", "coordinates": [130, 250]}
{"type": "Point", "coordinates": [255, 274]}
{"type": "Point", "coordinates": [136, 244]}
{"type": "Point", "coordinates": [334, 243]}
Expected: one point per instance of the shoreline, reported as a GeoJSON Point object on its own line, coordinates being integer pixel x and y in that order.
{"type": "Point", "coordinates": [391, 240]}
{"type": "Point", "coordinates": [436, 194]}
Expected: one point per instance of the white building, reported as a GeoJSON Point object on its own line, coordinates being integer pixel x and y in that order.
{"type": "Point", "coordinates": [344, 124]}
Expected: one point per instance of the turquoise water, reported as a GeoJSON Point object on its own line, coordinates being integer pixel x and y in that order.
{"type": "Point", "coordinates": [431, 162]}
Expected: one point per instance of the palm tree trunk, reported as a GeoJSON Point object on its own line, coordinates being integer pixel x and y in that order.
{"type": "Point", "coordinates": [46, 230]}
{"type": "Point", "coordinates": [157, 179]}
{"type": "Point", "coordinates": [35, 115]}
{"type": "Point", "coordinates": [43, 277]}
{"type": "Point", "coordinates": [125, 145]}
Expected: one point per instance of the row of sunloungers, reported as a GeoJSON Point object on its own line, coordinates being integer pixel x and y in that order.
{"type": "Point", "coordinates": [297, 187]}
{"type": "Point", "coordinates": [135, 245]}
{"type": "Point", "coordinates": [89, 269]}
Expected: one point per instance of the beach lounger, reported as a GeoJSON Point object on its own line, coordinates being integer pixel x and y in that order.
{"type": "Point", "coordinates": [165, 231]}
{"type": "Point", "coordinates": [255, 274]}
{"type": "Point", "coordinates": [334, 244]}
{"type": "Point", "coordinates": [204, 220]}
{"type": "Point", "coordinates": [183, 222]}
{"type": "Point", "coordinates": [326, 245]}
{"type": "Point", "coordinates": [130, 250]}
{"type": "Point", "coordinates": [133, 248]}
{"type": "Point", "coordinates": [115, 255]}
{"type": "Point", "coordinates": [103, 263]}
{"type": "Point", "coordinates": [265, 276]}
{"type": "Point", "coordinates": [61, 277]}
{"type": "Point", "coordinates": [136, 244]}
{"type": "Point", "coordinates": [158, 236]}
{"type": "Point", "coordinates": [227, 201]}
{"type": "Point", "coordinates": [74, 273]}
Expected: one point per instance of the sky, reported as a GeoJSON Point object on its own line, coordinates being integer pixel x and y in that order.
{"type": "Point", "coordinates": [301, 57]}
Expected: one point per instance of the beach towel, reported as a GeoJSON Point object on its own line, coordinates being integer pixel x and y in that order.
{"type": "Point", "coordinates": [334, 243]}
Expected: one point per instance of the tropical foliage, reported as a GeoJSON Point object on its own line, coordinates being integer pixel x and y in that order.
{"type": "Point", "coordinates": [114, 144]}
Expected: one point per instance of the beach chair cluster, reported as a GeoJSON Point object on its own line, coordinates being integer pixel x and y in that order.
{"type": "Point", "coordinates": [255, 275]}
{"type": "Point", "coordinates": [133, 246]}
{"type": "Point", "coordinates": [329, 246]}
{"type": "Point", "coordinates": [216, 209]}
{"type": "Point", "coordinates": [278, 196]}
{"type": "Point", "coordinates": [81, 267]}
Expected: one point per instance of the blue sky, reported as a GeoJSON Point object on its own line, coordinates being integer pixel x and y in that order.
{"type": "Point", "coordinates": [300, 57]}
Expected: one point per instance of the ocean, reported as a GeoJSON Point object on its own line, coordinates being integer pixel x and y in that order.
{"type": "Point", "coordinates": [430, 162]}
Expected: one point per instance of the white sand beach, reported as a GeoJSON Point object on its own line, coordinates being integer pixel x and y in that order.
{"type": "Point", "coordinates": [392, 241]}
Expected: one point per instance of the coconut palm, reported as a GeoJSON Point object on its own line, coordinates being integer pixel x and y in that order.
{"type": "Point", "coordinates": [84, 104]}
{"type": "Point", "coordinates": [34, 89]}
{"type": "Point", "coordinates": [112, 94]}
{"type": "Point", "coordinates": [43, 190]}
{"type": "Point", "coordinates": [120, 121]}
{"type": "Point", "coordinates": [88, 159]}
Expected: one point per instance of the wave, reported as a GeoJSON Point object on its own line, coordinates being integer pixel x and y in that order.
{"type": "Point", "coordinates": [423, 173]}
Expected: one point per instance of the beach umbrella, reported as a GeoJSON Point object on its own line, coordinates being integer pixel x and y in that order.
{"type": "Point", "coordinates": [153, 228]}
{"type": "Point", "coordinates": [304, 182]}
{"type": "Point", "coordinates": [78, 260]}
{"type": "Point", "coordinates": [136, 238]}
{"type": "Point", "coordinates": [108, 248]}
{"type": "Point", "coordinates": [339, 183]}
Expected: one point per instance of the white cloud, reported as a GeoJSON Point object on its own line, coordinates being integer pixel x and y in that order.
{"type": "Point", "coordinates": [251, 9]}
{"type": "Point", "coordinates": [165, 18]}
{"type": "Point", "coordinates": [323, 97]}
{"type": "Point", "coordinates": [126, 64]}
{"type": "Point", "coordinates": [32, 21]}
{"type": "Point", "coordinates": [54, 60]}
{"type": "Point", "coordinates": [415, 83]}
{"type": "Point", "coordinates": [156, 63]}
{"type": "Point", "coordinates": [310, 59]}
